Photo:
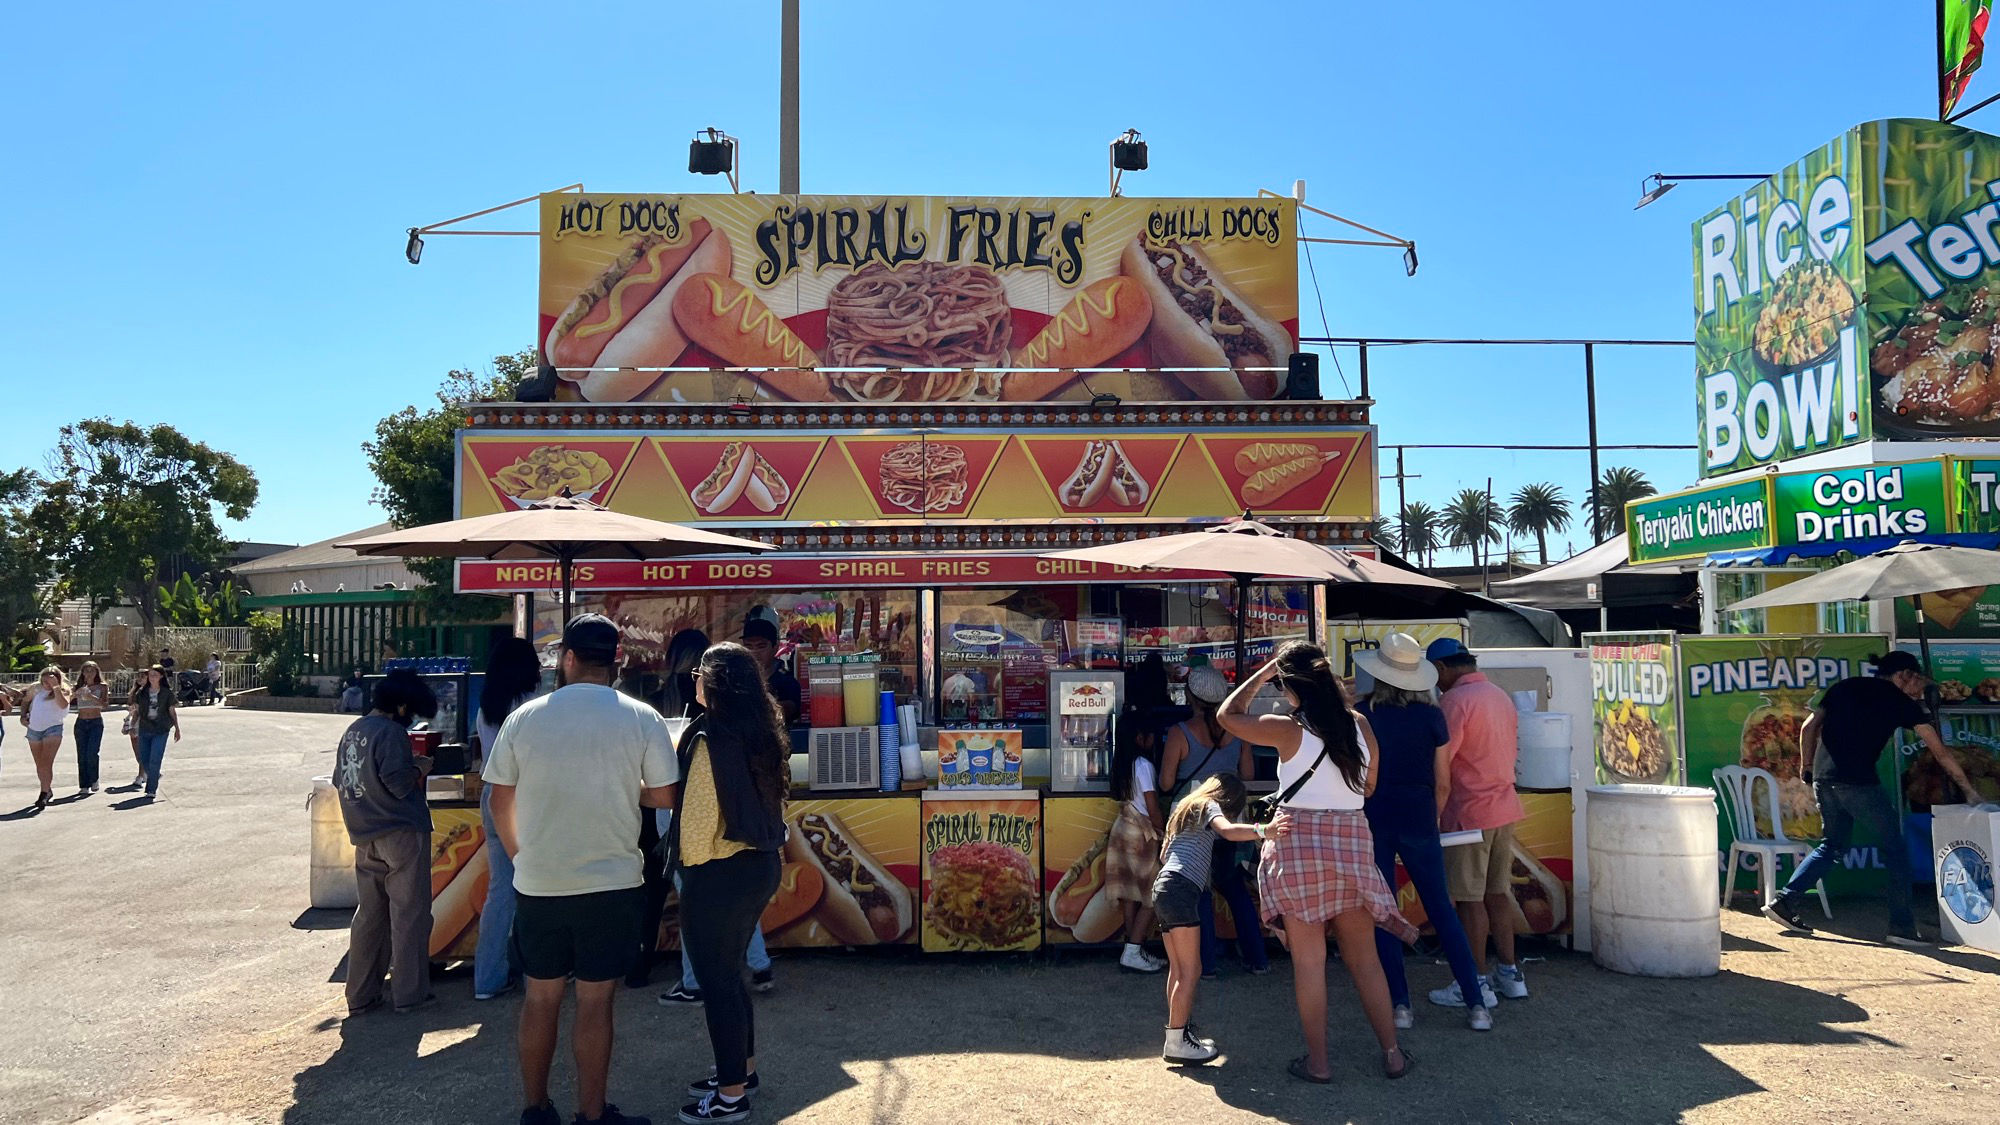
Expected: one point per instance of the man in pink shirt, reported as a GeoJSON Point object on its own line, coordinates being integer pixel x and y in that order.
{"type": "Point", "coordinates": [1476, 790]}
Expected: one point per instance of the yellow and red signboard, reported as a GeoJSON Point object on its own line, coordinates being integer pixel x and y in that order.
{"type": "Point", "coordinates": [982, 874]}
{"type": "Point", "coordinates": [881, 299]}
{"type": "Point", "coordinates": [761, 479]}
{"type": "Point", "coordinates": [850, 876]}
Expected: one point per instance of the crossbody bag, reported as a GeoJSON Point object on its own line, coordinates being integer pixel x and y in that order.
{"type": "Point", "coordinates": [1263, 810]}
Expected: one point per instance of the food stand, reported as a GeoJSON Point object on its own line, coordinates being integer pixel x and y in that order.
{"type": "Point", "coordinates": [1110, 369]}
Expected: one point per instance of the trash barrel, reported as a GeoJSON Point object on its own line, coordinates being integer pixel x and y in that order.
{"type": "Point", "coordinates": [1654, 909]}
{"type": "Point", "coordinates": [330, 881]}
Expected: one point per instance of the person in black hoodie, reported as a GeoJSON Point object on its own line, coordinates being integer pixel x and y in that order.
{"type": "Point", "coordinates": [728, 832]}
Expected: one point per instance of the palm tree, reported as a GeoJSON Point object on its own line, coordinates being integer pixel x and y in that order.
{"type": "Point", "coordinates": [1472, 520]}
{"type": "Point", "coordinates": [1384, 532]}
{"type": "Point", "coordinates": [1616, 488]}
{"type": "Point", "coordinates": [1537, 509]}
{"type": "Point", "coordinates": [1419, 531]}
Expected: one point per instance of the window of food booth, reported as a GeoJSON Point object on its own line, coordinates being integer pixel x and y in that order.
{"type": "Point", "coordinates": [1732, 586]}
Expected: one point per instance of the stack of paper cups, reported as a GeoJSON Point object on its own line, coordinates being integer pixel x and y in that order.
{"type": "Point", "coordinates": [912, 753]}
{"type": "Point", "coordinates": [890, 745]}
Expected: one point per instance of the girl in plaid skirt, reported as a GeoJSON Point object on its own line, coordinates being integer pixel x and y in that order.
{"type": "Point", "coordinates": [1323, 868]}
{"type": "Point", "coordinates": [1132, 858]}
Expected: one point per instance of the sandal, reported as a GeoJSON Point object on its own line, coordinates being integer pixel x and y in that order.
{"type": "Point", "coordinates": [1298, 1070]}
{"type": "Point", "coordinates": [1409, 1064]}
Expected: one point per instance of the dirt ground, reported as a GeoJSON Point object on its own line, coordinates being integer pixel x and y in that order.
{"type": "Point", "coordinates": [157, 964]}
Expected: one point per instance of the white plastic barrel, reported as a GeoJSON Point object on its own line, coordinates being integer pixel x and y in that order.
{"type": "Point", "coordinates": [330, 883]}
{"type": "Point", "coordinates": [1542, 761]}
{"type": "Point", "coordinates": [1653, 905]}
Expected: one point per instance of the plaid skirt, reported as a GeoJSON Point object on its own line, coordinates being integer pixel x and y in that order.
{"type": "Point", "coordinates": [1326, 866]}
{"type": "Point", "coordinates": [1132, 858]}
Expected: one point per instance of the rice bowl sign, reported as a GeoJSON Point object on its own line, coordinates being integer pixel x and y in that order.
{"type": "Point", "coordinates": [707, 298]}
{"type": "Point", "coordinates": [1852, 296]}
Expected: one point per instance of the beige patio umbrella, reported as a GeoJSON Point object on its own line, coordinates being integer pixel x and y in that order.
{"type": "Point", "coordinates": [561, 528]}
{"type": "Point", "coordinates": [1247, 550]}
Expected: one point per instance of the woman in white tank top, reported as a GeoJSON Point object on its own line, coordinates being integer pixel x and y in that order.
{"type": "Point", "coordinates": [44, 714]}
{"type": "Point", "coordinates": [1323, 870]}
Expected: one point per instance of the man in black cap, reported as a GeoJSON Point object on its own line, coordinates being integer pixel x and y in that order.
{"type": "Point", "coordinates": [1840, 747]}
{"type": "Point", "coordinates": [761, 638]}
{"type": "Point", "coordinates": [569, 773]}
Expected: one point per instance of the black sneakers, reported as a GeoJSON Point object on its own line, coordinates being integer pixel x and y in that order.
{"type": "Point", "coordinates": [712, 1107]}
{"type": "Point", "coordinates": [543, 1114]}
{"type": "Point", "coordinates": [679, 994]}
{"type": "Point", "coordinates": [710, 1086]}
{"type": "Point", "coordinates": [1788, 915]}
{"type": "Point", "coordinates": [763, 980]}
{"type": "Point", "coordinates": [611, 1116]}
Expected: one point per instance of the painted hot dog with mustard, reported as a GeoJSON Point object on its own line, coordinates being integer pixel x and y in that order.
{"type": "Point", "coordinates": [1106, 318]}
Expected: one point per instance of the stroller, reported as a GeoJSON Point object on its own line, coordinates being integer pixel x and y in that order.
{"type": "Point", "coordinates": [195, 687]}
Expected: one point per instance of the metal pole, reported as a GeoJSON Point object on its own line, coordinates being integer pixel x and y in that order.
{"type": "Point", "coordinates": [1364, 368]}
{"type": "Point", "coordinates": [1402, 499]}
{"type": "Point", "coordinates": [1590, 402]}
{"type": "Point", "coordinates": [1485, 529]}
{"type": "Point", "coordinates": [788, 97]}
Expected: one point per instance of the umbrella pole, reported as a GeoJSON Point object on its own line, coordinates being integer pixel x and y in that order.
{"type": "Point", "coordinates": [568, 566]}
{"type": "Point", "coordinates": [1924, 648]}
{"type": "Point", "coordinates": [1242, 625]}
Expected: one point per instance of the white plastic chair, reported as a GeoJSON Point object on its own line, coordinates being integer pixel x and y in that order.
{"type": "Point", "coordinates": [1738, 785]}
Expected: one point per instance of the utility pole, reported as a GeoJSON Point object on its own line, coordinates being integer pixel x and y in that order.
{"type": "Point", "coordinates": [1402, 497]}
{"type": "Point", "coordinates": [1485, 530]}
{"type": "Point", "coordinates": [1590, 403]}
{"type": "Point", "coordinates": [788, 97]}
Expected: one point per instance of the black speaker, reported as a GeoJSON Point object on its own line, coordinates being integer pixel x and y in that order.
{"type": "Point", "coordinates": [1302, 375]}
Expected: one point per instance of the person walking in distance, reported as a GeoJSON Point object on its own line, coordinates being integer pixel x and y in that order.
{"type": "Point", "coordinates": [728, 829]}
{"type": "Point", "coordinates": [380, 778]}
{"type": "Point", "coordinates": [44, 714]}
{"type": "Point", "coordinates": [154, 716]}
{"type": "Point", "coordinates": [1410, 731]}
{"type": "Point", "coordinates": [1195, 751]}
{"type": "Point", "coordinates": [1476, 791]}
{"type": "Point", "coordinates": [1319, 867]}
{"type": "Point", "coordinates": [91, 696]}
{"type": "Point", "coordinates": [1841, 747]}
{"type": "Point", "coordinates": [513, 676]}
{"type": "Point", "coordinates": [1132, 853]}
{"type": "Point", "coordinates": [1204, 815]}
{"type": "Point", "coordinates": [570, 772]}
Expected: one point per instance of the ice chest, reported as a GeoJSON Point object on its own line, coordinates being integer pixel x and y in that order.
{"type": "Point", "coordinates": [1964, 841]}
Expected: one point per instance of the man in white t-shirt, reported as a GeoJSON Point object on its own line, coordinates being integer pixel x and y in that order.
{"type": "Point", "coordinates": [569, 773]}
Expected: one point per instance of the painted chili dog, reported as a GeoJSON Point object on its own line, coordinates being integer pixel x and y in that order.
{"type": "Point", "coordinates": [623, 323]}
{"type": "Point", "coordinates": [1079, 904]}
{"type": "Point", "coordinates": [800, 886]}
{"type": "Point", "coordinates": [1200, 322]}
{"type": "Point", "coordinates": [739, 473]}
{"type": "Point", "coordinates": [1106, 318]}
{"type": "Point", "coordinates": [863, 903]}
{"type": "Point", "coordinates": [459, 872]}
{"type": "Point", "coordinates": [1104, 472]}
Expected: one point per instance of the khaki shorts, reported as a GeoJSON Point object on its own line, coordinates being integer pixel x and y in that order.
{"type": "Point", "coordinates": [1473, 871]}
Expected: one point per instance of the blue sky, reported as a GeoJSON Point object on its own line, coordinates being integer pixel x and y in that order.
{"type": "Point", "coordinates": [204, 221]}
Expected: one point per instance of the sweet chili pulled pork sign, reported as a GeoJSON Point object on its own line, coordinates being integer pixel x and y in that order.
{"type": "Point", "coordinates": [882, 299]}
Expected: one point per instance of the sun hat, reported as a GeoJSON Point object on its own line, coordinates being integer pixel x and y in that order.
{"type": "Point", "coordinates": [1207, 684]}
{"type": "Point", "coordinates": [1400, 661]}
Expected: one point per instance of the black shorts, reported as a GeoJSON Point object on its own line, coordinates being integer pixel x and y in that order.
{"type": "Point", "coordinates": [1176, 901]}
{"type": "Point", "coordinates": [594, 936]}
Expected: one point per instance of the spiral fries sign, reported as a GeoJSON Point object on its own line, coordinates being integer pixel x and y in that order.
{"type": "Point", "coordinates": [875, 300]}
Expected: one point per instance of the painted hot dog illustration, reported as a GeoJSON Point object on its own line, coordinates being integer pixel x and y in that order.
{"type": "Point", "coordinates": [1105, 471]}
{"type": "Point", "coordinates": [1200, 322]}
{"type": "Point", "coordinates": [1273, 468]}
{"type": "Point", "coordinates": [1106, 318]}
{"type": "Point", "coordinates": [459, 871]}
{"type": "Point", "coordinates": [1079, 904]}
{"type": "Point", "coordinates": [739, 473]}
{"type": "Point", "coordinates": [863, 903]}
{"type": "Point", "coordinates": [612, 338]}
{"type": "Point", "coordinates": [723, 316]}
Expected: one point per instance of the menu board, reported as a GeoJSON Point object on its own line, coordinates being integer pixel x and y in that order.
{"type": "Point", "coordinates": [1633, 708]}
{"type": "Point", "coordinates": [982, 874]}
{"type": "Point", "coordinates": [979, 759]}
{"type": "Point", "coordinates": [1075, 834]}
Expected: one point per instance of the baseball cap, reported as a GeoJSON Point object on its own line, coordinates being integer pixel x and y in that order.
{"type": "Point", "coordinates": [757, 629]}
{"type": "Point", "coordinates": [1889, 664]}
{"type": "Point", "coordinates": [591, 634]}
{"type": "Point", "coordinates": [1445, 648]}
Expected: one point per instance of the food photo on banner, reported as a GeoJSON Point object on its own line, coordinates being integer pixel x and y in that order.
{"type": "Point", "coordinates": [1850, 297]}
{"type": "Point", "coordinates": [825, 292]}
{"type": "Point", "coordinates": [982, 875]}
{"type": "Point", "coordinates": [1634, 708]}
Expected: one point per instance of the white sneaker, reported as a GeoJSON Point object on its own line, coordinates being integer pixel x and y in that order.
{"type": "Point", "coordinates": [1182, 1047]}
{"type": "Point", "coordinates": [1454, 997]}
{"type": "Point", "coordinates": [1137, 960]}
{"type": "Point", "coordinates": [1508, 981]}
{"type": "Point", "coordinates": [1481, 1019]}
{"type": "Point", "coordinates": [1405, 1018]}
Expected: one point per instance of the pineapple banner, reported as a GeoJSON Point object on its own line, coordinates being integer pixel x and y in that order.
{"type": "Point", "coordinates": [1744, 700]}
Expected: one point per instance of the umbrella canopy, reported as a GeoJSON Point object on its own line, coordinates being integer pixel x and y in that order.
{"type": "Point", "coordinates": [560, 528]}
{"type": "Point", "coordinates": [1246, 550]}
{"type": "Point", "coordinates": [1905, 570]}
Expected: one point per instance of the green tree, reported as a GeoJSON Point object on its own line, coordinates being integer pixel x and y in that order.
{"type": "Point", "coordinates": [414, 458]}
{"type": "Point", "coordinates": [24, 601]}
{"type": "Point", "coordinates": [189, 605]}
{"type": "Point", "coordinates": [126, 508]}
{"type": "Point", "coordinates": [1472, 520]}
{"type": "Point", "coordinates": [1384, 532]}
{"type": "Point", "coordinates": [1537, 509]}
{"type": "Point", "coordinates": [1418, 529]}
{"type": "Point", "coordinates": [1616, 488]}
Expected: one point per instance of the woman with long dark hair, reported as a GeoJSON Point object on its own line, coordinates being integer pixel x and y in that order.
{"type": "Point", "coordinates": [1323, 868]}
{"type": "Point", "coordinates": [154, 714]}
{"type": "Point", "coordinates": [1403, 811]}
{"type": "Point", "coordinates": [684, 653]}
{"type": "Point", "coordinates": [729, 827]}
{"type": "Point", "coordinates": [92, 696]}
{"type": "Point", "coordinates": [513, 676]}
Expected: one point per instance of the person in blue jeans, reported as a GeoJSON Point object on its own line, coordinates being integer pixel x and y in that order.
{"type": "Point", "coordinates": [513, 676]}
{"type": "Point", "coordinates": [762, 977]}
{"type": "Point", "coordinates": [1195, 751]}
{"type": "Point", "coordinates": [1403, 813]}
{"type": "Point", "coordinates": [1840, 749]}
